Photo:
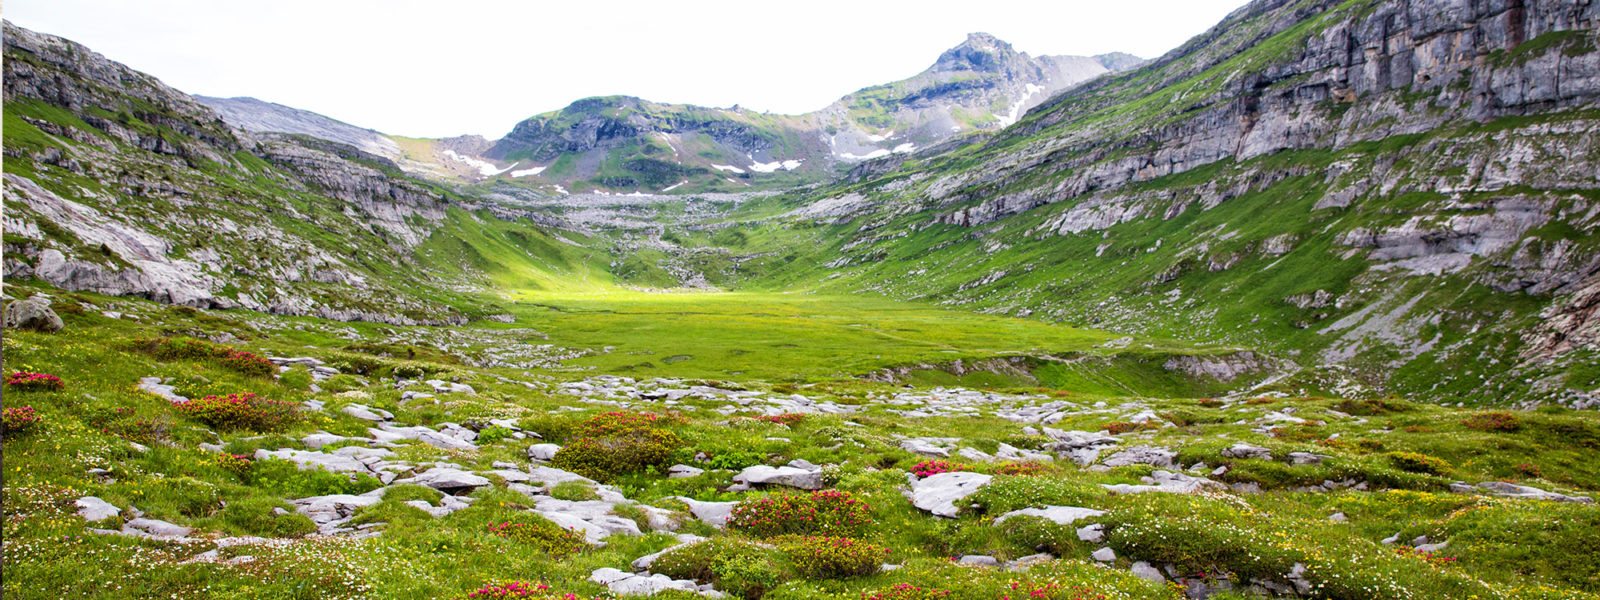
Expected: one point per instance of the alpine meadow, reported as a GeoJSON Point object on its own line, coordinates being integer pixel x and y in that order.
{"type": "Point", "coordinates": [1307, 307]}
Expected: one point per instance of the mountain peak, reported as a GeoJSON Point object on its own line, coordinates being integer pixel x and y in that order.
{"type": "Point", "coordinates": [980, 52]}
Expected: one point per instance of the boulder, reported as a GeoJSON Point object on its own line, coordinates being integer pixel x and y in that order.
{"type": "Point", "coordinates": [714, 514]}
{"type": "Point", "coordinates": [33, 314]}
{"type": "Point", "coordinates": [450, 481]}
{"type": "Point", "coordinates": [94, 509]}
{"type": "Point", "coordinates": [544, 452]}
{"type": "Point", "coordinates": [1242, 450]}
{"type": "Point", "coordinates": [155, 528]}
{"type": "Point", "coordinates": [938, 494]}
{"type": "Point", "coordinates": [785, 476]}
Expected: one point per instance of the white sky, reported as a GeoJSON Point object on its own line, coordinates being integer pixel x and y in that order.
{"type": "Point", "coordinates": [451, 67]}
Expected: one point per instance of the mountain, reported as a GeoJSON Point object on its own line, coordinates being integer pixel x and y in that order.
{"type": "Point", "coordinates": [630, 145]}
{"type": "Point", "coordinates": [1405, 191]}
{"type": "Point", "coordinates": [118, 184]}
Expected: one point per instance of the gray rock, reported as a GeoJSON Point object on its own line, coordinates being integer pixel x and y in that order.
{"type": "Point", "coordinates": [1242, 450]}
{"type": "Point", "coordinates": [544, 452]}
{"type": "Point", "coordinates": [924, 448]}
{"type": "Point", "coordinates": [1307, 458]}
{"type": "Point", "coordinates": [450, 481]}
{"type": "Point", "coordinates": [154, 385]}
{"type": "Point", "coordinates": [1092, 533]}
{"type": "Point", "coordinates": [714, 514]}
{"type": "Point", "coordinates": [1060, 515]}
{"type": "Point", "coordinates": [156, 528]}
{"type": "Point", "coordinates": [937, 494]}
{"type": "Point", "coordinates": [979, 560]}
{"type": "Point", "coordinates": [784, 476]}
{"type": "Point", "coordinates": [365, 413]}
{"type": "Point", "coordinates": [1104, 555]}
{"type": "Point", "coordinates": [1511, 490]}
{"type": "Point", "coordinates": [33, 314]}
{"type": "Point", "coordinates": [94, 509]}
{"type": "Point", "coordinates": [683, 472]}
{"type": "Point", "coordinates": [1144, 571]}
{"type": "Point", "coordinates": [1167, 482]}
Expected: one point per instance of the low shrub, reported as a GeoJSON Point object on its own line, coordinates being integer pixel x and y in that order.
{"type": "Point", "coordinates": [1029, 442]}
{"type": "Point", "coordinates": [238, 464]}
{"type": "Point", "coordinates": [541, 534]}
{"type": "Point", "coordinates": [492, 434]}
{"type": "Point", "coordinates": [287, 479]}
{"type": "Point", "coordinates": [40, 382]}
{"type": "Point", "coordinates": [629, 451]}
{"type": "Point", "coordinates": [241, 361]}
{"type": "Point", "coordinates": [930, 468]}
{"type": "Point", "coordinates": [244, 411]}
{"type": "Point", "coordinates": [830, 512]}
{"type": "Point", "coordinates": [1417, 462]}
{"type": "Point", "coordinates": [833, 557]}
{"type": "Point", "coordinates": [126, 423]}
{"type": "Point", "coordinates": [1121, 427]}
{"type": "Point", "coordinates": [1503, 422]}
{"type": "Point", "coordinates": [1371, 406]}
{"type": "Point", "coordinates": [622, 422]}
{"type": "Point", "coordinates": [256, 516]}
{"type": "Point", "coordinates": [20, 420]}
{"type": "Point", "coordinates": [733, 460]}
{"type": "Point", "coordinates": [738, 567]}
{"type": "Point", "coordinates": [1026, 468]}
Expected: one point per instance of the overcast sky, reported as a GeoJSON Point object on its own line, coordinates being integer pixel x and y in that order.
{"type": "Point", "coordinates": [451, 67]}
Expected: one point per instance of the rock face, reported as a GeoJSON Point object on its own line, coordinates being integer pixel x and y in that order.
{"type": "Point", "coordinates": [150, 149]}
{"type": "Point", "coordinates": [1353, 109]}
{"type": "Point", "coordinates": [33, 314]}
{"type": "Point", "coordinates": [255, 115]}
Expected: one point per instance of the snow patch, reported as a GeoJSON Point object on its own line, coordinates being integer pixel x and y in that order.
{"type": "Point", "coordinates": [879, 153]}
{"type": "Point", "coordinates": [729, 168]}
{"type": "Point", "coordinates": [878, 138]}
{"type": "Point", "coordinates": [787, 165]}
{"type": "Point", "coordinates": [485, 168]}
{"type": "Point", "coordinates": [1016, 107]}
{"type": "Point", "coordinates": [527, 172]}
{"type": "Point", "coordinates": [674, 186]}
{"type": "Point", "coordinates": [905, 148]}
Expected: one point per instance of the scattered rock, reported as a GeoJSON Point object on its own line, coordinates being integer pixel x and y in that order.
{"type": "Point", "coordinates": [938, 494]}
{"type": "Point", "coordinates": [33, 314]}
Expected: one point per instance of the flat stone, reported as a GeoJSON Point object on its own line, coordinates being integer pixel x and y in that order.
{"type": "Point", "coordinates": [937, 494]}
{"type": "Point", "coordinates": [784, 476]}
{"type": "Point", "coordinates": [1104, 555]}
{"type": "Point", "coordinates": [156, 528]}
{"type": "Point", "coordinates": [94, 509]}
{"type": "Point", "coordinates": [544, 452]}
{"type": "Point", "coordinates": [1060, 515]}
{"type": "Point", "coordinates": [1144, 571]}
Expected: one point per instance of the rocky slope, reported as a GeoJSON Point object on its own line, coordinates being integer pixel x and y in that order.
{"type": "Point", "coordinates": [255, 115]}
{"type": "Point", "coordinates": [118, 184]}
{"type": "Point", "coordinates": [1404, 188]}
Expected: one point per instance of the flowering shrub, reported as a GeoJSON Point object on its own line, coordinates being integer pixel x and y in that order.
{"type": "Point", "coordinates": [1493, 421]}
{"type": "Point", "coordinates": [238, 464]}
{"type": "Point", "coordinates": [833, 557]}
{"type": "Point", "coordinates": [1528, 470]}
{"type": "Point", "coordinates": [628, 451]}
{"type": "Point", "coordinates": [247, 363]}
{"type": "Point", "coordinates": [906, 591]}
{"type": "Point", "coordinates": [790, 419]}
{"type": "Point", "coordinates": [1121, 427]}
{"type": "Point", "coordinates": [23, 380]}
{"type": "Point", "coordinates": [243, 411]}
{"type": "Point", "coordinates": [929, 468]}
{"type": "Point", "coordinates": [241, 361]}
{"type": "Point", "coordinates": [518, 590]}
{"type": "Point", "coordinates": [826, 512]}
{"type": "Point", "coordinates": [620, 422]}
{"type": "Point", "coordinates": [1417, 462]}
{"type": "Point", "coordinates": [1028, 468]}
{"type": "Point", "coordinates": [20, 420]}
{"type": "Point", "coordinates": [542, 534]}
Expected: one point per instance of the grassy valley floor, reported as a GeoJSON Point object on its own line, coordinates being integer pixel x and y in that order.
{"type": "Point", "coordinates": [375, 461]}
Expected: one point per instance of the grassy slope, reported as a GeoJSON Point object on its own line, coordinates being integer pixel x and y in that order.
{"type": "Point", "coordinates": [1502, 548]}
